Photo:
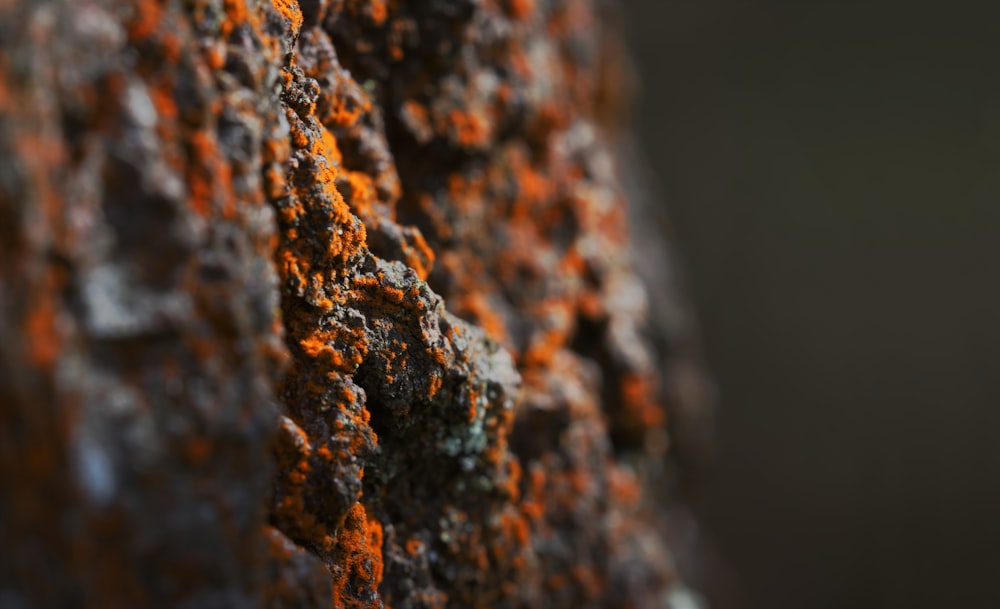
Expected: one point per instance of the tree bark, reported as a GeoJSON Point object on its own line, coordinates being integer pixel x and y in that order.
{"type": "Point", "coordinates": [322, 303]}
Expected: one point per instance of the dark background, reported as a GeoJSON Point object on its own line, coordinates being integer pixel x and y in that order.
{"type": "Point", "coordinates": [830, 172]}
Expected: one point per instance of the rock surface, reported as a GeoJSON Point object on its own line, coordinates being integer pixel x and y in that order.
{"type": "Point", "coordinates": [321, 303]}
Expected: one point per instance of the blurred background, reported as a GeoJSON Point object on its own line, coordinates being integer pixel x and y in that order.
{"type": "Point", "coordinates": [830, 172]}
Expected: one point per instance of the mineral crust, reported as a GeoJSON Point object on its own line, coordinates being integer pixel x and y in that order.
{"type": "Point", "coordinates": [321, 304]}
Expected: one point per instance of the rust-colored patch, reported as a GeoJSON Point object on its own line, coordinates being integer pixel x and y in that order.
{"type": "Point", "coordinates": [40, 327]}
{"type": "Point", "coordinates": [358, 565]}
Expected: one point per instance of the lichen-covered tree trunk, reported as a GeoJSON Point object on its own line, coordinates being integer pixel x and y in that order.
{"type": "Point", "coordinates": [321, 303]}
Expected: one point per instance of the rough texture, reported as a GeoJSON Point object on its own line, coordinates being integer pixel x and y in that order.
{"type": "Point", "coordinates": [321, 303]}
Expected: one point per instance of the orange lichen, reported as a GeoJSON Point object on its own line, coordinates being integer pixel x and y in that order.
{"type": "Point", "coordinates": [520, 226]}
{"type": "Point", "coordinates": [533, 189]}
{"type": "Point", "coordinates": [476, 308]}
{"type": "Point", "coordinates": [363, 194]}
{"type": "Point", "coordinates": [290, 11]}
{"type": "Point", "coordinates": [358, 568]}
{"type": "Point", "coordinates": [588, 580]}
{"type": "Point", "coordinates": [344, 112]}
{"type": "Point", "coordinates": [236, 15]}
{"type": "Point", "coordinates": [145, 19]}
{"type": "Point", "coordinates": [209, 177]}
{"type": "Point", "coordinates": [473, 409]}
{"type": "Point", "coordinates": [395, 38]}
{"type": "Point", "coordinates": [510, 483]}
{"type": "Point", "coordinates": [469, 129]}
{"type": "Point", "coordinates": [643, 412]}
{"type": "Point", "coordinates": [321, 346]}
{"type": "Point", "coordinates": [163, 101]}
{"type": "Point", "coordinates": [520, 9]}
{"type": "Point", "coordinates": [515, 527]}
{"type": "Point", "coordinates": [378, 11]}
{"type": "Point", "coordinates": [418, 255]}
{"type": "Point", "coordinates": [388, 298]}
{"type": "Point", "coordinates": [435, 386]}
{"type": "Point", "coordinates": [372, 11]}
{"type": "Point", "coordinates": [624, 487]}
{"type": "Point", "coordinates": [550, 338]}
{"type": "Point", "coordinates": [519, 62]}
{"type": "Point", "coordinates": [215, 55]}
{"type": "Point", "coordinates": [40, 328]}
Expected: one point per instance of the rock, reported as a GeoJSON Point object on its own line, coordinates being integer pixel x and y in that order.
{"type": "Point", "coordinates": [321, 303]}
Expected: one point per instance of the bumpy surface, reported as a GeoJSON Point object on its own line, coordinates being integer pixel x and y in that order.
{"type": "Point", "coordinates": [320, 303]}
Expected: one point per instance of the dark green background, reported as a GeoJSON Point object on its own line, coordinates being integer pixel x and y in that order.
{"type": "Point", "coordinates": [830, 170]}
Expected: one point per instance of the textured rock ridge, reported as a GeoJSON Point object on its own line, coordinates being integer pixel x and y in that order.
{"type": "Point", "coordinates": [321, 303]}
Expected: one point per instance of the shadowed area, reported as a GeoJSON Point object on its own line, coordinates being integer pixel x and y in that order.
{"type": "Point", "coordinates": [830, 171]}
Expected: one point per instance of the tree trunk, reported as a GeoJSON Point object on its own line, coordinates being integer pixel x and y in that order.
{"type": "Point", "coordinates": [322, 303]}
